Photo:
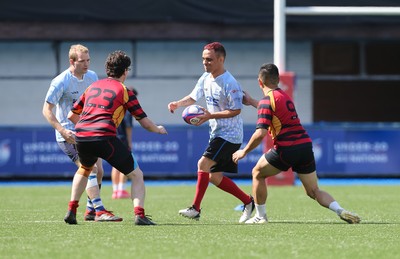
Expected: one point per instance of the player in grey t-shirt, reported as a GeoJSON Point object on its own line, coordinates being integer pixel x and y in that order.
{"type": "Point", "coordinates": [64, 90]}
{"type": "Point", "coordinates": [223, 96]}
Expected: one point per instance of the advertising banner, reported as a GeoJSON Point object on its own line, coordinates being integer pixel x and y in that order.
{"type": "Point", "coordinates": [364, 152]}
{"type": "Point", "coordinates": [176, 154]}
{"type": "Point", "coordinates": [339, 152]}
{"type": "Point", "coordinates": [33, 152]}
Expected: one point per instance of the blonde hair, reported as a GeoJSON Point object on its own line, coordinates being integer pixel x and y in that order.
{"type": "Point", "coordinates": [73, 51]}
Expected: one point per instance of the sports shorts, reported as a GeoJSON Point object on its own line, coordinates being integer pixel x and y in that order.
{"type": "Point", "coordinates": [112, 150]}
{"type": "Point", "coordinates": [300, 160]}
{"type": "Point", "coordinates": [220, 151]}
{"type": "Point", "coordinates": [69, 150]}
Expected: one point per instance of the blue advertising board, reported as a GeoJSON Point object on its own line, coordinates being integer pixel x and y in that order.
{"type": "Point", "coordinates": [176, 154]}
{"type": "Point", "coordinates": [33, 152]}
{"type": "Point", "coordinates": [339, 152]}
{"type": "Point", "coordinates": [372, 152]}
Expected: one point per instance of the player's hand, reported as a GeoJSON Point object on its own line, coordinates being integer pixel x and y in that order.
{"type": "Point", "coordinates": [238, 155]}
{"type": "Point", "coordinates": [203, 118]}
{"type": "Point", "coordinates": [162, 130]}
{"type": "Point", "coordinates": [69, 136]}
{"type": "Point", "coordinates": [172, 106]}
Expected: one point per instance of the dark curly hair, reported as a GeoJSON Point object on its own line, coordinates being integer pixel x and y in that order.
{"type": "Point", "coordinates": [116, 64]}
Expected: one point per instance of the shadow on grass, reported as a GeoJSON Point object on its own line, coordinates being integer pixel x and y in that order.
{"type": "Point", "coordinates": [333, 223]}
{"type": "Point", "coordinates": [194, 223]}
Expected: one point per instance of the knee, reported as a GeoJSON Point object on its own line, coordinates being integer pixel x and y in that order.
{"type": "Point", "coordinates": [204, 164]}
{"type": "Point", "coordinates": [256, 174]}
{"type": "Point", "coordinates": [135, 174]}
{"type": "Point", "coordinates": [201, 165]}
{"type": "Point", "coordinates": [84, 170]}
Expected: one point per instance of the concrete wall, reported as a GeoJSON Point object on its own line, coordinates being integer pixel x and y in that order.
{"type": "Point", "coordinates": [162, 72]}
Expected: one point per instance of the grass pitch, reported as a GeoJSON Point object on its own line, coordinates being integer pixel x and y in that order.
{"type": "Point", "coordinates": [32, 226]}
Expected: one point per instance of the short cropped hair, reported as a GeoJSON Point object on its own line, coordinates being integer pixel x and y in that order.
{"type": "Point", "coordinates": [73, 51]}
{"type": "Point", "coordinates": [269, 74]}
{"type": "Point", "coordinates": [116, 64]}
{"type": "Point", "coordinates": [217, 47]}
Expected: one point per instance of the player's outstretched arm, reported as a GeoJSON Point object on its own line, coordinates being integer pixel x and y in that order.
{"type": "Point", "coordinates": [254, 141]}
{"type": "Point", "coordinates": [249, 100]}
{"type": "Point", "coordinates": [147, 124]}
{"type": "Point", "coordinates": [185, 101]}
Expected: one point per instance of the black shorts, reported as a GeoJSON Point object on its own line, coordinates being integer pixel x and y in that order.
{"type": "Point", "coordinates": [220, 151]}
{"type": "Point", "coordinates": [124, 140]}
{"type": "Point", "coordinates": [112, 150]}
{"type": "Point", "coordinates": [300, 160]}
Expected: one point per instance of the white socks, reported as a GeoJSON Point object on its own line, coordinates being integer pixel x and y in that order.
{"type": "Point", "coordinates": [261, 211]}
{"type": "Point", "coordinates": [121, 186]}
{"type": "Point", "coordinates": [334, 206]}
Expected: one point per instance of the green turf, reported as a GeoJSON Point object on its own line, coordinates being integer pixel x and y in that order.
{"type": "Point", "coordinates": [32, 226]}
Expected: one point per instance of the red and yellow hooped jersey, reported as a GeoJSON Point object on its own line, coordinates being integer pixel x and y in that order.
{"type": "Point", "coordinates": [277, 113]}
{"type": "Point", "coordinates": [102, 108]}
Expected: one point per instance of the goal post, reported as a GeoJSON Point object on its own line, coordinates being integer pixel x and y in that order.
{"type": "Point", "coordinates": [279, 41]}
{"type": "Point", "coordinates": [281, 10]}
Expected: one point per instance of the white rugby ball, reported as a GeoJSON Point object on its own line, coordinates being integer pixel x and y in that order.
{"type": "Point", "coordinates": [190, 114]}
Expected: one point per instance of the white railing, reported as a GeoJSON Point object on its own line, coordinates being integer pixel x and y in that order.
{"type": "Point", "coordinates": [280, 12]}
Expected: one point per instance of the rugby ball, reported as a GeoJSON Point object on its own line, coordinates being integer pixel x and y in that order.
{"type": "Point", "coordinates": [190, 114]}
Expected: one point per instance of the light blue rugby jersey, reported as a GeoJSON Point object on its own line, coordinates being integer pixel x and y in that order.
{"type": "Point", "coordinates": [64, 90]}
{"type": "Point", "coordinates": [221, 93]}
